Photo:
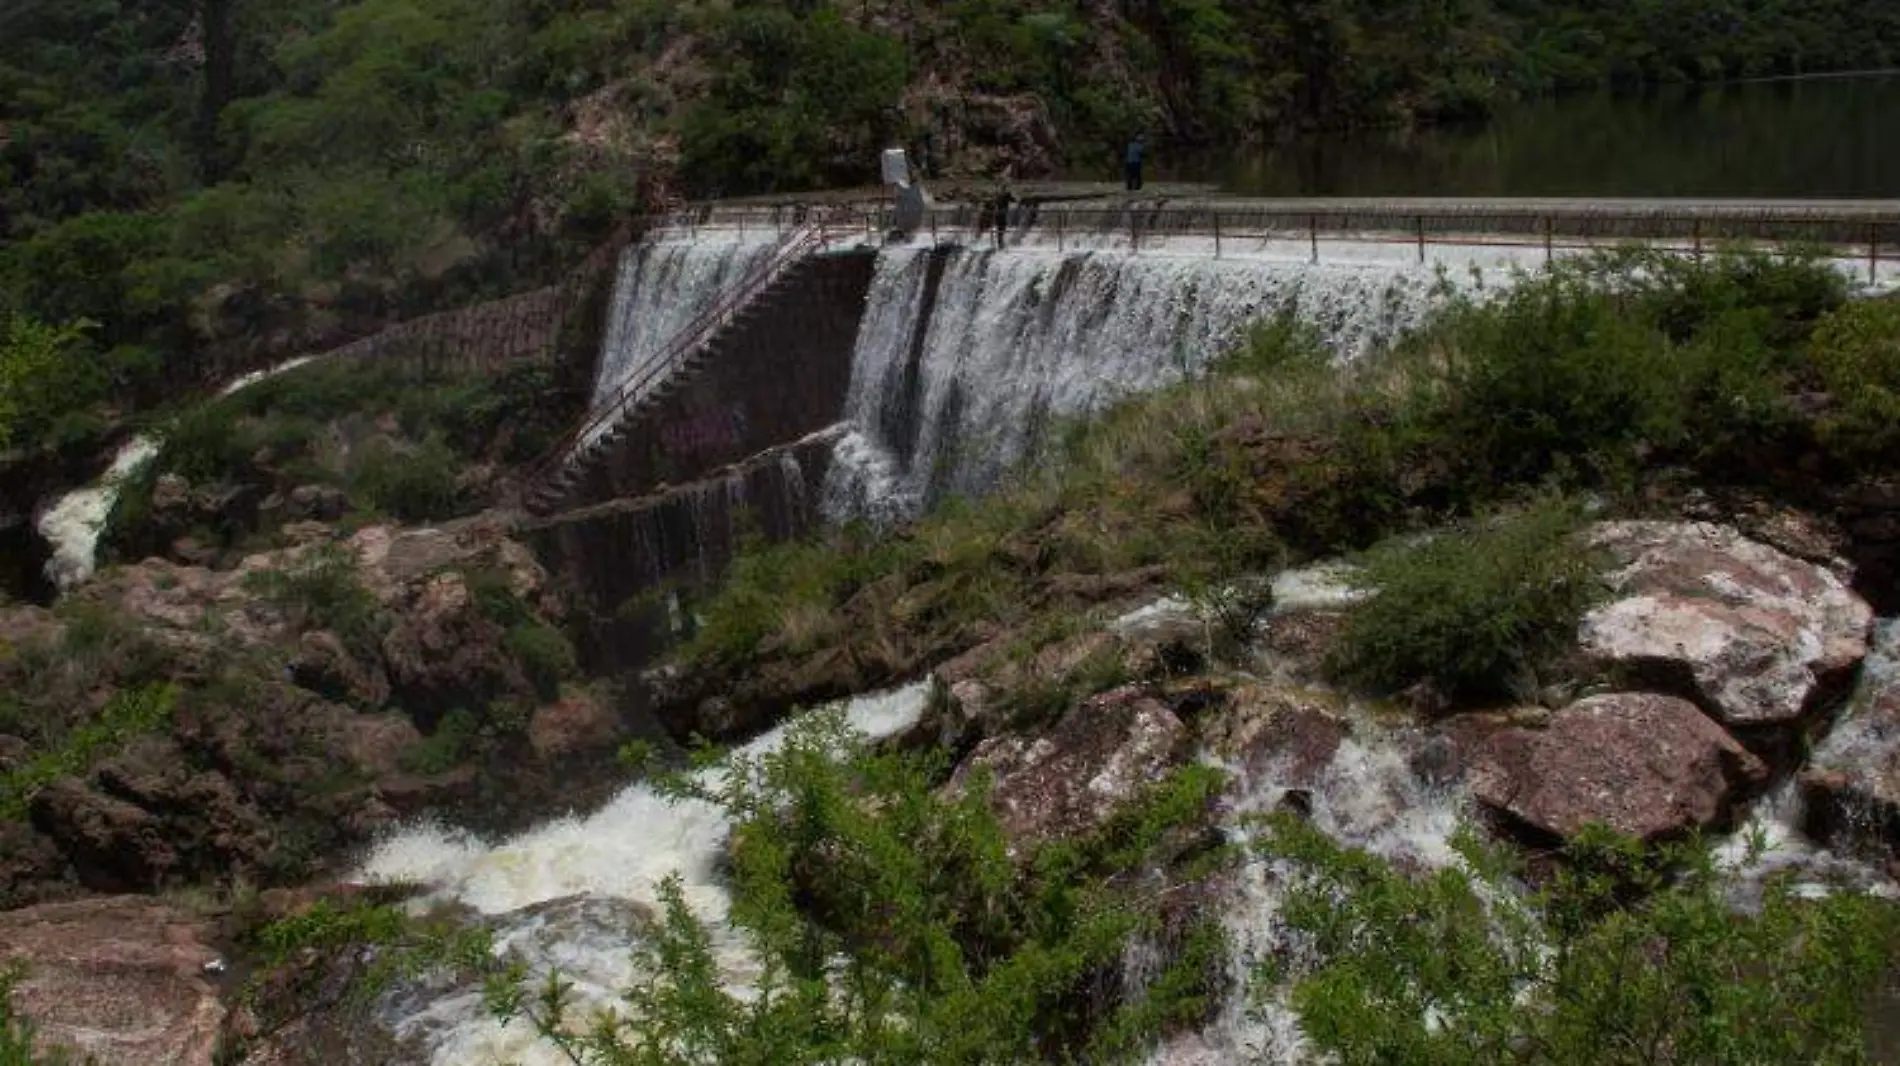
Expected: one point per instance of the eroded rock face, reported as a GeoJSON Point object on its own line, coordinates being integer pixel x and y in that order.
{"type": "Point", "coordinates": [1645, 765]}
{"type": "Point", "coordinates": [1757, 636]}
{"type": "Point", "coordinates": [119, 980]}
{"type": "Point", "coordinates": [1852, 783]}
{"type": "Point", "coordinates": [576, 725]}
{"type": "Point", "coordinates": [1069, 779]}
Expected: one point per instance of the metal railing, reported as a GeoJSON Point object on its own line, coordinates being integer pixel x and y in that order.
{"type": "Point", "coordinates": [1851, 231]}
{"type": "Point", "coordinates": [792, 248]}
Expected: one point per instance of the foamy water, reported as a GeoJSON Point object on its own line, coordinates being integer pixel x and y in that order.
{"type": "Point", "coordinates": [569, 893]}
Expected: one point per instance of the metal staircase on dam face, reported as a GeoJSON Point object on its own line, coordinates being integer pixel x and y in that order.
{"type": "Point", "coordinates": [698, 343]}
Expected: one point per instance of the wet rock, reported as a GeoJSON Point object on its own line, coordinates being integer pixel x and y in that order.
{"type": "Point", "coordinates": [121, 981]}
{"type": "Point", "coordinates": [1756, 636]}
{"type": "Point", "coordinates": [1646, 765]}
{"type": "Point", "coordinates": [1069, 779]}
{"type": "Point", "coordinates": [1852, 782]}
{"type": "Point", "coordinates": [577, 725]}
{"type": "Point", "coordinates": [1280, 733]}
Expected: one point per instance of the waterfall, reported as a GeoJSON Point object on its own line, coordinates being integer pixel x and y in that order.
{"type": "Point", "coordinates": [964, 357]}
{"type": "Point", "coordinates": [661, 287]}
{"type": "Point", "coordinates": [570, 893]}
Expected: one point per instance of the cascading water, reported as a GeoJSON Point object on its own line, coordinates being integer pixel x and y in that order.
{"type": "Point", "coordinates": [965, 356]}
{"type": "Point", "coordinates": [73, 523]}
{"type": "Point", "coordinates": [569, 894]}
{"type": "Point", "coordinates": [661, 287]}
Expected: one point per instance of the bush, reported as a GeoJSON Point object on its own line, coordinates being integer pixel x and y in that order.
{"type": "Point", "coordinates": [413, 484]}
{"type": "Point", "coordinates": [127, 715]}
{"type": "Point", "coordinates": [545, 654]}
{"type": "Point", "coordinates": [445, 748]}
{"type": "Point", "coordinates": [1473, 609]}
{"type": "Point", "coordinates": [1459, 967]}
{"type": "Point", "coordinates": [890, 924]}
{"type": "Point", "coordinates": [1856, 350]}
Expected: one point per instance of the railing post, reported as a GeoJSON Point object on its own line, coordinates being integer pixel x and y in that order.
{"type": "Point", "coordinates": [1216, 213]}
{"type": "Point", "coordinates": [1873, 253]}
{"type": "Point", "coordinates": [1312, 236]}
{"type": "Point", "coordinates": [1420, 222]}
{"type": "Point", "coordinates": [1134, 230]}
{"type": "Point", "coordinates": [1695, 230]}
{"type": "Point", "coordinates": [933, 226]}
{"type": "Point", "coordinates": [1550, 244]}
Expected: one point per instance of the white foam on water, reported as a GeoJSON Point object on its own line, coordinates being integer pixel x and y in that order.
{"type": "Point", "coordinates": [538, 888]}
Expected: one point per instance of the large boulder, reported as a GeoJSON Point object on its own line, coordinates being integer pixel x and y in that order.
{"type": "Point", "coordinates": [1852, 782]}
{"type": "Point", "coordinates": [1646, 765]}
{"type": "Point", "coordinates": [443, 652]}
{"type": "Point", "coordinates": [1758, 637]}
{"type": "Point", "coordinates": [1069, 779]}
{"type": "Point", "coordinates": [122, 981]}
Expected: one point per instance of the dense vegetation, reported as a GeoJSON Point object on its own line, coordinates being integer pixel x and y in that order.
{"type": "Point", "coordinates": [206, 180]}
{"type": "Point", "coordinates": [1461, 967]}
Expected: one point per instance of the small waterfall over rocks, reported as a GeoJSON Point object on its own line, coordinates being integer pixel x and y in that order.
{"type": "Point", "coordinates": [966, 357]}
{"type": "Point", "coordinates": [570, 894]}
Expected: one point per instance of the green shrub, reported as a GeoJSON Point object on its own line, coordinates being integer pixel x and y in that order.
{"type": "Point", "coordinates": [891, 925]}
{"type": "Point", "coordinates": [446, 747]}
{"type": "Point", "coordinates": [1474, 609]}
{"type": "Point", "coordinates": [545, 654]}
{"type": "Point", "coordinates": [1628, 957]}
{"type": "Point", "coordinates": [413, 484]}
{"type": "Point", "coordinates": [1857, 353]}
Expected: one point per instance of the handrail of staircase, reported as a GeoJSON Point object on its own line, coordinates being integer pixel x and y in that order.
{"type": "Point", "coordinates": [792, 248]}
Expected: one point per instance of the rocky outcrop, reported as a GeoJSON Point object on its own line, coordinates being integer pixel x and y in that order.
{"type": "Point", "coordinates": [443, 652]}
{"type": "Point", "coordinates": [121, 981]}
{"type": "Point", "coordinates": [577, 725]}
{"type": "Point", "coordinates": [1645, 765]}
{"type": "Point", "coordinates": [1069, 779]}
{"type": "Point", "coordinates": [1852, 782]}
{"type": "Point", "coordinates": [1755, 636]}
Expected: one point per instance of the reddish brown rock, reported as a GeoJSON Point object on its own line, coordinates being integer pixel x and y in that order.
{"type": "Point", "coordinates": [1646, 765]}
{"type": "Point", "coordinates": [1071, 778]}
{"type": "Point", "coordinates": [1757, 636]}
{"type": "Point", "coordinates": [576, 725]}
{"type": "Point", "coordinates": [325, 666]}
{"type": "Point", "coordinates": [121, 981]}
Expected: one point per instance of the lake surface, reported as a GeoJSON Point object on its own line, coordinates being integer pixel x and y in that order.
{"type": "Point", "coordinates": [1821, 137]}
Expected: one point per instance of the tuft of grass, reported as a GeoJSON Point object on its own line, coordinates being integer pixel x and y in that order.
{"type": "Point", "coordinates": [1474, 609]}
{"type": "Point", "coordinates": [545, 655]}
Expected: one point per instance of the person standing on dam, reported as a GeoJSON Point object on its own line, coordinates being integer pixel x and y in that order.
{"type": "Point", "coordinates": [1131, 162]}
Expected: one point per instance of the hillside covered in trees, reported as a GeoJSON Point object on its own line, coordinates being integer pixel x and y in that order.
{"type": "Point", "coordinates": [191, 185]}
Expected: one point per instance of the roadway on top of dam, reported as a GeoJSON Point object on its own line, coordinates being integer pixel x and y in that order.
{"type": "Point", "coordinates": [1180, 195]}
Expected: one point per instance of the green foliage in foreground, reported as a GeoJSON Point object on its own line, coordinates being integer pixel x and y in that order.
{"type": "Point", "coordinates": [1628, 957]}
{"type": "Point", "coordinates": [1472, 609]}
{"type": "Point", "coordinates": [17, 1032]}
{"type": "Point", "coordinates": [1857, 350]}
{"type": "Point", "coordinates": [891, 925]}
{"type": "Point", "coordinates": [128, 714]}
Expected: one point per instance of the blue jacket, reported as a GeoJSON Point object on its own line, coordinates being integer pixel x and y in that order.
{"type": "Point", "coordinates": [1135, 148]}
